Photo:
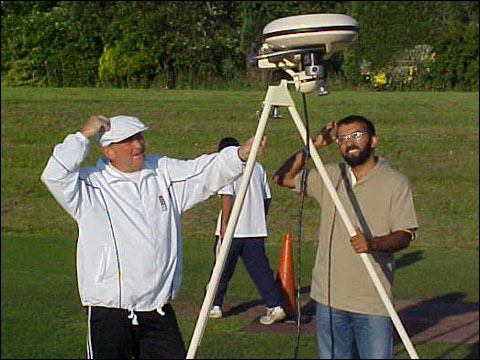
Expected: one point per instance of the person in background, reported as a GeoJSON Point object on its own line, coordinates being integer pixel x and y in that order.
{"type": "Point", "coordinates": [379, 202]}
{"type": "Point", "coordinates": [248, 241]}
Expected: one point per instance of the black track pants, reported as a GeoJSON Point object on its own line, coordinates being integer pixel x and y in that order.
{"type": "Point", "coordinates": [113, 336]}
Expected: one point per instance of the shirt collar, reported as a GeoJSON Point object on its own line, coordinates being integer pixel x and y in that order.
{"type": "Point", "coordinates": [113, 175]}
{"type": "Point", "coordinates": [381, 163]}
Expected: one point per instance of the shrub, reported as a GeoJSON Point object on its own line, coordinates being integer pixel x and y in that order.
{"type": "Point", "coordinates": [455, 65]}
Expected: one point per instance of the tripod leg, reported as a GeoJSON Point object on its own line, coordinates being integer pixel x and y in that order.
{"type": "Point", "coordinates": [365, 258]}
{"type": "Point", "coordinates": [232, 223]}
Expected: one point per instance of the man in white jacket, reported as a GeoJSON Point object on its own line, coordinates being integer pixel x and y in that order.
{"type": "Point", "coordinates": [128, 207]}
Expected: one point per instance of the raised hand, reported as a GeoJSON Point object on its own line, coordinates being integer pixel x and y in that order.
{"type": "Point", "coordinates": [326, 136]}
{"type": "Point", "coordinates": [96, 124]}
{"type": "Point", "coordinates": [244, 149]}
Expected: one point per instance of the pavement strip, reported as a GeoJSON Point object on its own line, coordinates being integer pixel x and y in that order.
{"type": "Point", "coordinates": [424, 321]}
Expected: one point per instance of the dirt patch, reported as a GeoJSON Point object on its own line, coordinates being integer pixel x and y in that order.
{"type": "Point", "coordinates": [424, 321]}
{"type": "Point", "coordinates": [428, 320]}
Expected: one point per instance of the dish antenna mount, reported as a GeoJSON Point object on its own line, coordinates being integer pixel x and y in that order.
{"type": "Point", "coordinates": [300, 44]}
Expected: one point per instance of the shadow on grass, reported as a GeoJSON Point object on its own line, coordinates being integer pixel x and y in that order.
{"type": "Point", "coordinates": [307, 309]}
{"type": "Point", "coordinates": [243, 307]}
{"type": "Point", "coordinates": [446, 319]}
{"type": "Point", "coordinates": [443, 319]}
{"type": "Point", "coordinates": [408, 259]}
{"type": "Point", "coordinates": [473, 353]}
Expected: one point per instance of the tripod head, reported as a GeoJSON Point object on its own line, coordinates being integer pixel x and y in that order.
{"type": "Point", "coordinates": [300, 44]}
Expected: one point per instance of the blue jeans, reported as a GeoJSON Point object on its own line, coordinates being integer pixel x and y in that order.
{"type": "Point", "coordinates": [338, 331]}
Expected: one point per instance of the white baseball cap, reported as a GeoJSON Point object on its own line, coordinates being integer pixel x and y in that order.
{"type": "Point", "coordinates": [121, 127]}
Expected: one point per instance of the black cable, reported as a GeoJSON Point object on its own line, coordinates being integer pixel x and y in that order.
{"type": "Point", "coordinates": [303, 188]}
{"type": "Point", "coordinates": [329, 288]}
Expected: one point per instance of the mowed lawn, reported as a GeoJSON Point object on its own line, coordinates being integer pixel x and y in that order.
{"type": "Point", "coordinates": [431, 137]}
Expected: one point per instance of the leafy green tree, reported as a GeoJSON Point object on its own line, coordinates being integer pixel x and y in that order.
{"type": "Point", "coordinates": [387, 29]}
{"type": "Point", "coordinates": [191, 44]}
{"type": "Point", "coordinates": [391, 31]}
{"type": "Point", "coordinates": [51, 43]}
{"type": "Point", "coordinates": [456, 64]}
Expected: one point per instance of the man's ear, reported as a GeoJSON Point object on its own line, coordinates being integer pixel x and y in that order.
{"type": "Point", "coordinates": [108, 152]}
{"type": "Point", "coordinates": [374, 141]}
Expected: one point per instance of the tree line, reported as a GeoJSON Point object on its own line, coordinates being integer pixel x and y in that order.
{"type": "Point", "coordinates": [419, 45]}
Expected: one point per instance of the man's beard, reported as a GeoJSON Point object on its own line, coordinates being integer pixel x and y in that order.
{"type": "Point", "coordinates": [361, 158]}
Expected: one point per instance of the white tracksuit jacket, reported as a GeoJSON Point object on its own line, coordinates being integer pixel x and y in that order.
{"type": "Point", "coordinates": [129, 252]}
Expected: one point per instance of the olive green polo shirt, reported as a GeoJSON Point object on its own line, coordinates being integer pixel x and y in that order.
{"type": "Point", "coordinates": [379, 203]}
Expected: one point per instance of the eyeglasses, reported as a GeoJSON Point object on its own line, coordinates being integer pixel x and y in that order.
{"type": "Point", "coordinates": [355, 136]}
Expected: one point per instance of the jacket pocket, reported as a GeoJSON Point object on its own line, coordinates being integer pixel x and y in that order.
{"type": "Point", "coordinates": [106, 269]}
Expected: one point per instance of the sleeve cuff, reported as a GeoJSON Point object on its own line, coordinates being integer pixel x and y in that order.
{"type": "Point", "coordinates": [231, 152]}
{"type": "Point", "coordinates": [81, 137]}
{"type": "Point", "coordinates": [412, 232]}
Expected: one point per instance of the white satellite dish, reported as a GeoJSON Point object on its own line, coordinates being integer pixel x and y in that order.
{"type": "Point", "coordinates": [299, 44]}
{"type": "Point", "coordinates": [329, 32]}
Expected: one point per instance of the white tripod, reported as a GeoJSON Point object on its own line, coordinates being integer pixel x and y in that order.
{"type": "Point", "coordinates": [280, 96]}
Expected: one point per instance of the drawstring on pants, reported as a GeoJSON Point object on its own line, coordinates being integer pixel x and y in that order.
{"type": "Point", "coordinates": [160, 310]}
{"type": "Point", "coordinates": [133, 316]}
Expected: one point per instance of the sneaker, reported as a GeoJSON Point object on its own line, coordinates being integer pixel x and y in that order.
{"type": "Point", "coordinates": [215, 312]}
{"type": "Point", "coordinates": [273, 315]}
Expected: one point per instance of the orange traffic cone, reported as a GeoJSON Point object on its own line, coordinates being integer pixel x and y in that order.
{"type": "Point", "coordinates": [285, 279]}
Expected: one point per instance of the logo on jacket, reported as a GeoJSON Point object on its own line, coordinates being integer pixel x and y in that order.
{"type": "Point", "coordinates": [162, 203]}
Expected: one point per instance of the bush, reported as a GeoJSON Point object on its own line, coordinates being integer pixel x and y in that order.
{"type": "Point", "coordinates": [123, 67]}
{"type": "Point", "coordinates": [50, 46]}
{"type": "Point", "coordinates": [415, 45]}
{"type": "Point", "coordinates": [455, 65]}
{"type": "Point", "coordinates": [192, 44]}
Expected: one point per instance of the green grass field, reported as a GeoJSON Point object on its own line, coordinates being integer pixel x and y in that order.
{"type": "Point", "coordinates": [431, 137]}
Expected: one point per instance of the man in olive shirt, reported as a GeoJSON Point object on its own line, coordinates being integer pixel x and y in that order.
{"type": "Point", "coordinates": [379, 203]}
